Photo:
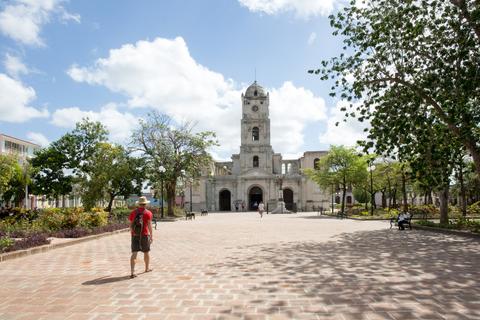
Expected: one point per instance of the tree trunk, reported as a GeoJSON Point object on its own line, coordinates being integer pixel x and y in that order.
{"type": "Point", "coordinates": [429, 197]}
{"type": "Point", "coordinates": [110, 202]}
{"type": "Point", "coordinates": [463, 198]}
{"type": "Point", "coordinates": [384, 200]}
{"type": "Point", "coordinates": [366, 202]}
{"type": "Point", "coordinates": [394, 198]}
{"type": "Point", "coordinates": [443, 197]}
{"type": "Point", "coordinates": [170, 187]}
{"type": "Point", "coordinates": [404, 191]}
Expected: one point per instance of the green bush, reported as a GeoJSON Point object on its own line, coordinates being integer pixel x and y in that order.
{"type": "Point", "coordinates": [5, 243]}
{"type": "Point", "coordinates": [474, 209]}
{"type": "Point", "coordinates": [72, 217]}
{"type": "Point", "coordinates": [426, 223]}
{"type": "Point", "coordinates": [96, 218]}
{"type": "Point", "coordinates": [120, 214]}
{"type": "Point", "coordinates": [426, 211]}
{"type": "Point", "coordinates": [51, 219]}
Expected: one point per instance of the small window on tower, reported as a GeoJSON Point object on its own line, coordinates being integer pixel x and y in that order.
{"type": "Point", "coordinates": [255, 134]}
{"type": "Point", "coordinates": [255, 161]}
{"type": "Point", "coordinates": [255, 93]}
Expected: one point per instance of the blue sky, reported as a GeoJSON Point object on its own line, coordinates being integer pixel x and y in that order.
{"type": "Point", "coordinates": [114, 61]}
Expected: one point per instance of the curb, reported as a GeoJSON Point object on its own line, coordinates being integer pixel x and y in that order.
{"type": "Point", "coordinates": [447, 231]}
{"type": "Point", "coordinates": [48, 247]}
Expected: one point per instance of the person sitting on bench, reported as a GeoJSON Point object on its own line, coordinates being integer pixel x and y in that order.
{"type": "Point", "coordinates": [402, 219]}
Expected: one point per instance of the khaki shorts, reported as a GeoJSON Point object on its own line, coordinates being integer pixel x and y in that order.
{"type": "Point", "coordinates": [142, 244]}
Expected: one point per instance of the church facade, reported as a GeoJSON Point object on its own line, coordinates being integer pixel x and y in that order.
{"type": "Point", "coordinates": [257, 173]}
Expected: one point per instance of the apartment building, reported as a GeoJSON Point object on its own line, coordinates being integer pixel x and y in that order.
{"type": "Point", "coordinates": [11, 145]}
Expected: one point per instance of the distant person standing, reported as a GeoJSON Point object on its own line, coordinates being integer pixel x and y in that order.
{"type": "Point", "coordinates": [243, 205]}
{"type": "Point", "coordinates": [142, 235]}
{"type": "Point", "coordinates": [261, 209]}
{"type": "Point", "coordinates": [255, 205]}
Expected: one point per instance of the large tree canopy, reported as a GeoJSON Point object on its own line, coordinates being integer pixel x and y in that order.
{"type": "Point", "coordinates": [407, 60]}
{"type": "Point", "coordinates": [177, 148]}
{"type": "Point", "coordinates": [341, 167]}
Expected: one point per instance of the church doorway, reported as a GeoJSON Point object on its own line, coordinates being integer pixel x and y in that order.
{"type": "Point", "coordinates": [254, 197]}
{"type": "Point", "coordinates": [288, 198]}
{"type": "Point", "coordinates": [225, 200]}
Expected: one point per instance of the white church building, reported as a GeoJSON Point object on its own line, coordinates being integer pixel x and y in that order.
{"type": "Point", "coordinates": [257, 173]}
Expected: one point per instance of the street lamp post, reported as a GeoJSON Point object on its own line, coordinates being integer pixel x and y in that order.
{"type": "Point", "coordinates": [162, 170]}
{"type": "Point", "coordinates": [372, 195]}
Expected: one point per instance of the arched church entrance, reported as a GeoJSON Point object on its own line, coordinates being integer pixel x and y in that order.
{"type": "Point", "coordinates": [225, 200]}
{"type": "Point", "coordinates": [254, 197]}
{"type": "Point", "coordinates": [288, 198]}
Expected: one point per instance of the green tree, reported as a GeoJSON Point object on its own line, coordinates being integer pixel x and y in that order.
{"type": "Point", "coordinates": [408, 59]}
{"type": "Point", "coordinates": [17, 184]}
{"type": "Point", "coordinates": [342, 167]}
{"type": "Point", "coordinates": [51, 175]}
{"type": "Point", "coordinates": [115, 174]}
{"type": "Point", "coordinates": [176, 148]}
{"type": "Point", "coordinates": [82, 157]}
{"type": "Point", "coordinates": [8, 168]}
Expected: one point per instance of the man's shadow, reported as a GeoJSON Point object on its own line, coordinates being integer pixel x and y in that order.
{"type": "Point", "coordinates": [105, 280]}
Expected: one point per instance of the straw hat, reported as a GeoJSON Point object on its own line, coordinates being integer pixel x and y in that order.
{"type": "Point", "coordinates": [143, 200]}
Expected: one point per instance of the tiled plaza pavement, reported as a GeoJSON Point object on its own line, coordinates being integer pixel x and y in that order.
{"type": "Point", "coordinates": [238, 266]}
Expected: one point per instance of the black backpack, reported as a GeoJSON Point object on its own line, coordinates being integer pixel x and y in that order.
{"type": "Point", "coordinates": [138, 223]}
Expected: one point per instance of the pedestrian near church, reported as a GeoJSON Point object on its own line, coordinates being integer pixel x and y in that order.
{"type": "Point", "coordinates": [261, 208]}
{"type": "Point", "coordinates": [142, 235]}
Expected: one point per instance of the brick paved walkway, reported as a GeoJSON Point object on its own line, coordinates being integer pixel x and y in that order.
{"type": "Point", "coordinates": [237, 266]}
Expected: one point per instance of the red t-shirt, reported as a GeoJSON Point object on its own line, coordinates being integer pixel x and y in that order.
{"type": "Point", "coordinates": [147, 216]}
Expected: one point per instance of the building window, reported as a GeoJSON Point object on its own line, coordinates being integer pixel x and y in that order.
{"type": "Point", "coordinates": [283, 168]}
{"type": "Point", "coordinates": [255, 161]}
{"type": "Point", "coordinates": [14, 147]}
{"type": "Point", "coordinates": [315, 163]}
{"type": "Point", "coordinates": [289, 168]}
{"type": "Point", "coordinates": [255, 93]}
{"type": "Point", "coordinates": [255, 134]}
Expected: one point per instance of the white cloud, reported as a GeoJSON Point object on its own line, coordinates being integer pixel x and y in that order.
{"type": "Point", "coordinates": [291, 109]}
{"type": "Point", "coordinates": [38, 138]}
{"type": "Point", "coordinates": [120, 125]}
{"type": "Point", "coordinates": [14, 101]}
{"type": "Point", "coordinates": [15, 66]}
{"type": "Point", "coordinates": [312, 38]}
{"type": "Point", "coordinates": [161, 74]}
{"type": "Point", "coordinates": [346, 133]}
{"type": "Point", "coordinates": [23, 19]}
{"type": "Point", "coordinates": [301, 8]}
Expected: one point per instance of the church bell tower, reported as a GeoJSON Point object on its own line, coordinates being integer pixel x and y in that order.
{"type": "Point", "coordinates": [255, 150]}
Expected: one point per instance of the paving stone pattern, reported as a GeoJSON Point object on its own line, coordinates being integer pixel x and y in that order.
{"type": "Point", "coordinates": [238, 266]}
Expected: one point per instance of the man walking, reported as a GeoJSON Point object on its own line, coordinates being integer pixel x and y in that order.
{"type": "Point", "coordinates": [142, 235]}
{"type": "Point", "coordinates": [261, 208]}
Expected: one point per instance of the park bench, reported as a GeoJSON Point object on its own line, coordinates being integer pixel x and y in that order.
{"type": "Point", "coordinates": [189, 215]}
{"type": "Point", "coordinates": [408, 222]}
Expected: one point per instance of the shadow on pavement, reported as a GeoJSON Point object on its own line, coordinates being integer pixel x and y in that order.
{"type": "Point", "coordinates": [105, 280]}
{"type": "Point", "coordinates": [392, 274]}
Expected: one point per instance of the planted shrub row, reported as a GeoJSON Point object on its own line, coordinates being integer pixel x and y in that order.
{"type": "Point", "coordinates": [21, 229]}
